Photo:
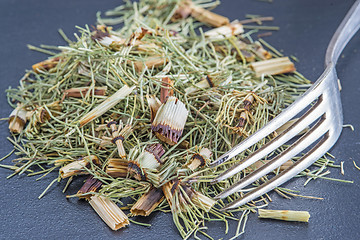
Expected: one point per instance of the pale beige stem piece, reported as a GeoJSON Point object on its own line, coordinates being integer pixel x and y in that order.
{"type": "Point", "coordinates": [109, 212]}
{"type": "Point", "coordinates": [150, 158]}
{"type": "Point", "coordinates": [106, 105]}
{"type": "Point", "coordinates": [225, 31]}
{"type": "Point", "coordinates": [273, 66]}
{"type": "Point", "coordinates": [78, 167]}
{"type": "Point", "coordinates": [208, 17]}
{"type": "Point", "coordinates": [150, 62]}
{"type": "Point", "coordinates": [17, 120]}
{"type": "Point", "coordinates": [154, 105]}
{"type": "Point", "coordinates": [202, 201]}
{"type": "Point", "coordinates": [285, 215]}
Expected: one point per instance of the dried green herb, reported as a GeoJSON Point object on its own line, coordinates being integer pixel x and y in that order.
{"type": "Point", "coordinates": [211, 99]}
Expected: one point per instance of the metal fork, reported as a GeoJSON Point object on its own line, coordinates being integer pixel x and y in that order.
{"type": "Point", "coordinates": [326, 131]}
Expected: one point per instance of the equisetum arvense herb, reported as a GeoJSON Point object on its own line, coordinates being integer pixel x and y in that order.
{"type": "Point", "coordinates": [142, 110]}
{"type": "Point", "coordinates": [285, 215]}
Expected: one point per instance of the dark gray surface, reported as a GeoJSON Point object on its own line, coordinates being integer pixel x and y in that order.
{"type": "Point", "coordinates": [306, 28]}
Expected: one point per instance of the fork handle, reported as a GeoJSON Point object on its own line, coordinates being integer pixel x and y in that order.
{"type": "Point", "coordinates": [348, 27]}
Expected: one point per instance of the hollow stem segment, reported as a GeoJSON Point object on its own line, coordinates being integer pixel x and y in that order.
{"type": "Point", "coordinates": [170, 120]}
{"type": "Point", "coordinates": [109, 212]}
{"type": "Point", "coordinates": [273, 66]}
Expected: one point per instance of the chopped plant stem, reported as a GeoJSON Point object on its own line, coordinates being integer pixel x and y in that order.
{"type": "Point", "coordinates": [349, 126]}
{"type": "Point", "coordinates": [48, 187]}
{"type": "Point", "coordinates": [273, 28]}
{"type": "Point", "coordinates": [273, 66]}
{"type": "Point", "coordinates": [332, 179]}
{"type": "Point", "coordinates": [286, 215]}
{"type": "Point", "coordinates": [139, 223]}
{"type": "Point", "coordinates": [109, 212]}
{"type": "Point", "coordinates": [144, 109]}
{"type": "Point", "coordinates": [357, 167]}
{"type": "Point", "coordinates": [256, 20]}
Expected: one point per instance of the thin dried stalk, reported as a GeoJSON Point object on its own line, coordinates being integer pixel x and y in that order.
{"type": "Point", "coordinates": [197, 198]}
{"type": "Point", "coordinates": [273, 66]}
{"type": "Point", "coordinates": [286, 215]}
{"type": "Point", "coordinates": [149, 166]}
{"type": "Point", "coordinates": [257, 20]}
{"type": "Point", "coordinates": [105, 142]}
{"type": "Point", "coordinates": [109, 212]}
{"type": "Point", "coordinates": [81, 92]}
{"type": "Point", "coordinates": [249, 50]}
{"type": "Point", "coordinates": [137, 35]}
{"type": "Point", "coordinates": [123, 134]}
{"type": "Point", "coordinates": [106, 105]}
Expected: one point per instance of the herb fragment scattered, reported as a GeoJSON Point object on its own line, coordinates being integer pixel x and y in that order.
{"type": "Point", "coordinates": [144, 109]}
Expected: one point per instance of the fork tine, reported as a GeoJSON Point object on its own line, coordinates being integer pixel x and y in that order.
{"type": "Point", "coordinates": [320, 128]}
{"type": "Point", "coordinates": [310, 116]}
{"type": "Point", "coordinates": [304, 162]}
{"type": "Point", "coordinates": [290, 112]}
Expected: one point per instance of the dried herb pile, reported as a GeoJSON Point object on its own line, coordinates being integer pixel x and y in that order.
{"type": "Point", "coordinates": [144, 108]}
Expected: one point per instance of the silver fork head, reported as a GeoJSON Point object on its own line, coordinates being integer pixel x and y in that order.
{"type": "Point", "coordinates": [327, 129]}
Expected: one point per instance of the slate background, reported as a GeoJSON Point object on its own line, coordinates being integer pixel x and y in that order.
{"type": "Point", "coordinates": [306, 28]}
